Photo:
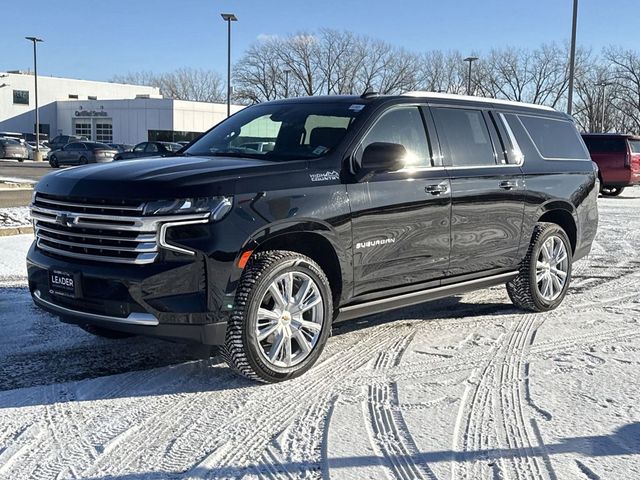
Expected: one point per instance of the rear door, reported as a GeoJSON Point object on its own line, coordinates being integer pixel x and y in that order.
{"type": "Point", "coordinates": [400, 220]}
{"type": "Point", "coordinates": [487, 190]}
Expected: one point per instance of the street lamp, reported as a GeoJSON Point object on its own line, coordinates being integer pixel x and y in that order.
{"type": "Point", "coordinates": [286, 83]}
{"type": "Point", "coordinates": [470, 60]}
{"type": "Point", "coordinates": [572, 57]}
{"type": "Point", "coordinates": [604, 84]}
{"type": "Point", "coordinates": [229, 17]}
{"type": "Point", "coordinates": [35, 41]}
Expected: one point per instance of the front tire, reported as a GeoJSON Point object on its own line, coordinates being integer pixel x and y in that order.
{"type": "Point", "coordinates": [545, 273]}
{"type": "Point", "coordinates": [609, 191]}
{"type": "Point", "coordinates": [53, 161]}
{"type": "Point", "coordinates": [282, 317]}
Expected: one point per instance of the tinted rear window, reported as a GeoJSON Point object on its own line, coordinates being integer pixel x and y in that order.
{"type": "Point", "coordinates": [465, 137]}
{"type": "Point", "coordinates": [555, 138]}
{"type": "Point", "coordinates": [605, 145]}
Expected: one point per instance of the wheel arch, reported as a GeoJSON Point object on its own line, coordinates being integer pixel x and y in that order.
{"type": "Point", "coordinates": [317, 241]}
{"type": "Point", "coordinates": [563, 215]}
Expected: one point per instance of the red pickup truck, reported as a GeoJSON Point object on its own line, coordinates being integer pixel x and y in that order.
{"type": "Point", "coordinates": [618, 157]}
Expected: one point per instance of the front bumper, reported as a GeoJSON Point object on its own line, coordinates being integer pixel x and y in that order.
{"type": "Point", "coordinates": [164, 299]}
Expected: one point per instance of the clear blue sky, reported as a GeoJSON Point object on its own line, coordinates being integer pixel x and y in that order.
{"type": "Point", "coordinates": [96, 40]}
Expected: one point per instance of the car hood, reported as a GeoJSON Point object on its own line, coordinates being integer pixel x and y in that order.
{"type": "Point", "coordinates": [156, 178]}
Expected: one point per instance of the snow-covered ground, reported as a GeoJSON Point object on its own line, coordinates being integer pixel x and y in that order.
{"type": "Point", "coordinates": [14, 217]}
{"type": "Point", "coordinates": [464, 388]}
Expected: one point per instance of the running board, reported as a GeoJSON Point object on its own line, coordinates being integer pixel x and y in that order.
{"type": "Point", "coordinates": [414, 298]}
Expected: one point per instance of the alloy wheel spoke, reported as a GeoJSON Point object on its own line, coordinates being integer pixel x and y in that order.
{"type": "Point", "coordinates": [313, 326]}
{"type": "Point", "coordinates": [277, 295]}
{"type": "Point", "coordinates": [302, 341]}
{"type": "Point", "coordinates": [264, 313]}
{"type": "Point", "coordinates": [267, 331]}
{"type": "Point", "coordinates": [287, 349]}
{"type": "Point", "coordinates": [276, 348]}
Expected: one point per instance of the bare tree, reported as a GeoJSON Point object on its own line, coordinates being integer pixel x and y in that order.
{"type": "Point", "coordinates": [184, 84]}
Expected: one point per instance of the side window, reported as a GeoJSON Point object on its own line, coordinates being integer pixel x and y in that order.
{"type": "Point", "coordinates": [465, 137]}
{"type": "Point", "coordinates": [140, 147]}
{"type": "Point", "coordinates": [555, 139]}
{"type": "Point", "coordinates": [151, 148]}
{"type": "Point", "coordinates": [634, 146]}
{"type": "Point", "coordinates": [403, 126]}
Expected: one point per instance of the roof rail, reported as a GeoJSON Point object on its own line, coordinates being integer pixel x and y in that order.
{"type": "Point", "coordinates": [451, 96]}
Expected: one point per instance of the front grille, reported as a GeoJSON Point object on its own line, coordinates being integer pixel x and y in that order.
{"type": "Point", "coordinates": [103, 230]}
{"type": "Point", "coordinates": [95, 230]}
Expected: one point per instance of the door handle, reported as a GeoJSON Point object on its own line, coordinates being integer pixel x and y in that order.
{"type": "Point", "coordinates": [508, 184]}
{"type": "Point", "coordinates": [436, 189]}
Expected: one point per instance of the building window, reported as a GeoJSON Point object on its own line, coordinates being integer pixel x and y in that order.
{"type": "Point", "coordinates": [82, 129]}
{"type": "Point", "coordinates": [73, 97]}
{"type": "Point", "coordinates": [21, 97]}
{"type": "Point", "coordinates": [92, 97]}
{"type": "Point", "coordinates": [104, 132]}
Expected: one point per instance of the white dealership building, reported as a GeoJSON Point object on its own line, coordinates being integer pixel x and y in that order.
{"type": "Point", "coordinates": [101, 111]}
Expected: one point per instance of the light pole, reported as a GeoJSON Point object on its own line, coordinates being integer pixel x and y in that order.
{"type": "Point", "coordinates": [470, 60]}
{"type": "Point", "coordinates": [572, 57]}
{"type": "Point", "coordinates": [604, 84]}
{"type": "Point", "coordinates": [229, 17]}
{"type": "Point", "coordinates": [286, 83]}
{"type": "Point", "coordinates": [37, 157]}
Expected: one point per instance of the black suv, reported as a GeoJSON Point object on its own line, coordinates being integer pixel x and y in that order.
{"type": "Point", "coordinates": [360, 205]}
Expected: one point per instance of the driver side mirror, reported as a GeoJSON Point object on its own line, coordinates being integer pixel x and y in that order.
{"type": "Point", "coordinates": [381, 157]}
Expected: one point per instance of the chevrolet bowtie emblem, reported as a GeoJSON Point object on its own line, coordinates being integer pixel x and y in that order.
{"type": "Point", "coordinates": [66, 219]}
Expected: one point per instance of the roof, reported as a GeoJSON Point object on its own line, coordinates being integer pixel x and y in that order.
{"type": "Point", "coordinates": [418, 94]}
{"type": "Point", "coordinates": [493, 101]}
{"type": "Point", "coordinates": [616, 135]}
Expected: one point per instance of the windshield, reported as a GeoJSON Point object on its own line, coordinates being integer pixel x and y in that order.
{"type": "Point", "coordinates": [279, 132]}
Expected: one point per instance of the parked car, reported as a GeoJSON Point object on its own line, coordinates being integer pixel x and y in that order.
{"type": "Point", "coordinates": [62, 140]}
{"type": "Point", "coordinates": [11, 148]}
{"type": "Point", "coordinates": [365, 204]}
{"type": "Point", "coordinates": [150, 149]}
{"type": "Point", "coordinates": [81, 153]}
{"type": "Point", "coordinates": [618, 158]}
{"type": "Point", "coordinates": [31, 148]}
{"type": "Point", "coordinates": [121, 147]}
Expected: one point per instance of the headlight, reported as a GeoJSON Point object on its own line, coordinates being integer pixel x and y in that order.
{"type": "Point", "coordinates": [217, 206]}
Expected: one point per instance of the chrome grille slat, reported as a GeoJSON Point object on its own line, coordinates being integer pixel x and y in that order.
{"type": "Point", "coordinates": [142, 247]}
{"type": "Point", "coordinates": [144, 237]}
{"type": "Point", "coordinates": [140, 259]}
{"type": "Point", "coordinates": [107, 233]}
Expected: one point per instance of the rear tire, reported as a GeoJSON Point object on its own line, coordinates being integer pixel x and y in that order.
{"type": "Point", "coordinates": [609, 191]}
{"type": "Point", "coordinates": [545, 272]}
{"type": "Point", "coordinates": [83, 161]}
{"type": "Point", "coordinates": [105, 332]}
{"type": "Point", "coordinates": [276, 331]}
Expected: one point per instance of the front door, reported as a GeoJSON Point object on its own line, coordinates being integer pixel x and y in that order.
{"type": "Point", "coordinates": [487, 191]}
{"type": "Point", "coordinates": [400, 220]}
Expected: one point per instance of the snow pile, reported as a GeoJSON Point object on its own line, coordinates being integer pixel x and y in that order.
{"type": "Point", "coordinates": [465, 388]}
{"type": "Point", "coordinates": [15, 217]}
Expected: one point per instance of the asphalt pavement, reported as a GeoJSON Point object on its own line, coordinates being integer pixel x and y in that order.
{"type": "Point", "coordinates": [12, 169]}
{"type": "Point", "coordinates": [26, 170]}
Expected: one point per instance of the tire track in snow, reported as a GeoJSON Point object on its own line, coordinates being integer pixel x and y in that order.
{"type": "Point", "coordinates": [389, 434]}
{"type": "Point", "coordinates": [492, 416]}
{"type": "Point", "coordinates": [248, 439]}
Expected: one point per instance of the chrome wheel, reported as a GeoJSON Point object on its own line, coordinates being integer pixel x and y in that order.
{"type": "Point", "coordinates": [552, 268]}
{"type": "Point", "coordinates": [290, 319]}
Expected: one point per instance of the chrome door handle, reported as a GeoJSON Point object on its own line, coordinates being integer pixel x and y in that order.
{"type": "Point", "coordinates": [508, 184]}
{"type": "Point", "coordinates": [436, 189]}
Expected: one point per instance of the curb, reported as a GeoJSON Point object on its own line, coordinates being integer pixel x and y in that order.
{"type": "Point", "coordinates": [7, 231]}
